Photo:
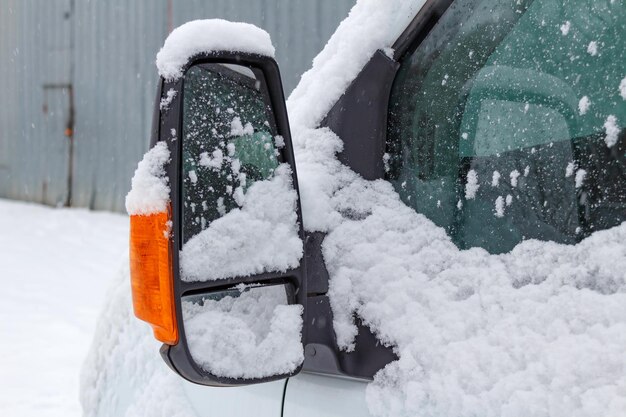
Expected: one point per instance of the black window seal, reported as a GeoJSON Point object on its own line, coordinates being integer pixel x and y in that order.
{"type": "Point", "coordinates": [421, 25]}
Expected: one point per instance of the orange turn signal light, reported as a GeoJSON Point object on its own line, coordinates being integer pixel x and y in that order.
{"type": "Point", "coordinates": [151, 274]}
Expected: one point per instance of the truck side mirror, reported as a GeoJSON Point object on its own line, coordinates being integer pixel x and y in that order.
{"type": "Point", "coordinates": [234, 257]}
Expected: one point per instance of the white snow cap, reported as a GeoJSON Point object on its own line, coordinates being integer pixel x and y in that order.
{"type": "Point", "coordinates": [209, 35]}
{"type": "Point", "coordinates": [150, 191]}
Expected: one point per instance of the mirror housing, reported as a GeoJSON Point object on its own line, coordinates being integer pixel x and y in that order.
{"type": "Point", "coordinates": [168, 128]}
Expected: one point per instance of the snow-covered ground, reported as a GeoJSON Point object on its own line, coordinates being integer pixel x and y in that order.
{"type": "Point", "coordinates": [56, 265]}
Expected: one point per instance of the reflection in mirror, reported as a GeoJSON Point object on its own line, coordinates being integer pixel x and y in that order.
{"type": "Point", "coordinates": [239, 207]}
{"type": "Point", "coordinates": [244, 332]}
{"type": "Point", "coordinates": [228, 141]}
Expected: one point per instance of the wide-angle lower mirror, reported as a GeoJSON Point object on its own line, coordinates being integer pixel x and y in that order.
{"type": "Point", "coordinates": [249, 331]}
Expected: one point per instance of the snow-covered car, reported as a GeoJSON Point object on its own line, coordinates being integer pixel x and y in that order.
{"type": "Point", "coordinates": [440, 232]}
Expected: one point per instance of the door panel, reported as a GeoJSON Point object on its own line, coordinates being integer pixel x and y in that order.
{"type": "Point", "coordinates": [260, 400]}
{"type": "Point", "coordinates": [53, 150]}
{"type": "Point", "coordinates": [310, 395]}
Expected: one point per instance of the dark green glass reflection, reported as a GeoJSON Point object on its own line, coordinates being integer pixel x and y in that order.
{"type": "Point", "coordinates": [228, 141]}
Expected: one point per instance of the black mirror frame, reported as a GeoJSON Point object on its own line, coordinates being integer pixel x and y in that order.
{"type": "Point", "coordinates": [165, 120]}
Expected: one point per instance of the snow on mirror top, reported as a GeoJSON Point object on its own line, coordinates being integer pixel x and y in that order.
{"type": "Point", "coordinates": [245, 332]}
{"type": "Point", "coordinates": [206, 36]}
{"type": "Point", "coordinates": [239, 205]}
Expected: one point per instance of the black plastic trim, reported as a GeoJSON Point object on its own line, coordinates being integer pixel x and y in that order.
{"type": "Point", "coordinates": [420, 27]}
{"type": "Point", "coordinates": [316, 274]}
{"type": "Point", "coordinates": [322, 355]}
{"type": "Point", "coordinates": [156, 115]}
{"type": "Point", "coordinates": [359, 117]}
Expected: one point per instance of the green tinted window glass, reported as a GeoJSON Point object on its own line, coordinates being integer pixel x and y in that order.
{"type": "Point", "coordinates": [228, 141]}
{"type": "Point", "coordinates": [507, 123]}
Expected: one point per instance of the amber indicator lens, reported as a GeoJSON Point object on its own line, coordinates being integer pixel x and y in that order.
{"type": "Point", "coordinates": [151, 274]}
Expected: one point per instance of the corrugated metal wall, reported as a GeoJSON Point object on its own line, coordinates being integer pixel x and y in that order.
{"type": "Point", "coordinates": [115, 78]}
{"type": "Point", "coordinates": [34, 51]}
{"type": "Point", "coordinates": [106, 50]}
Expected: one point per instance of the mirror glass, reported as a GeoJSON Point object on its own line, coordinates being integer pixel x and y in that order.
{"type": "Point", "coordinates": [239, 206]}
{"type": "Point", "coordinates": [245, 331]}
{"type": "Point", "coordinates": [228, 141]}
{"type": "Point", "coordinates": [238, 218]}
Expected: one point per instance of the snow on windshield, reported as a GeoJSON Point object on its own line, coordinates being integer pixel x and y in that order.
{"type": "Point", "coordinates": [250, 332]}
{"type": "Point", "coordinates": [205, 36]}
{"type": "Point", "coordinates": [261, 236]}
{"type": "Point", "coordinates": [476, 333]}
